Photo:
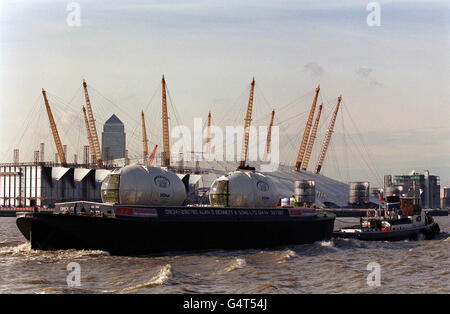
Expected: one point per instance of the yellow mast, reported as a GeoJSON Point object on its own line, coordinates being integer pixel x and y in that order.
{"type": "Point", "coordinates": [311, 140]}
{"type": "Point", "coordinates": [55, 133]}
{"type": "Point", "coordinates": [326, 141]}
{"type": "Point", "coordinates": [144, 137]}
{"type": "Point", "coordinates": [302, 148]}
{"type": "Point", "coordinates": [208, 134]}
{"type": "Point", "coordinates": [89, 135]}
{"type": "Point", "coordinates": [269, 136]}
{"type": "Point", "coordinates": [92, 128]}
{"type": "Point", "coordinates": [165, 126]}
{"type": "Point", "coordinates": [248, 119]}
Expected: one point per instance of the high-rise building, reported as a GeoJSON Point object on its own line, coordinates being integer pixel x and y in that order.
{"type": "Point", "coordinates": [113, 139]}
{"type": "Point", "coordinates": [424, 185]}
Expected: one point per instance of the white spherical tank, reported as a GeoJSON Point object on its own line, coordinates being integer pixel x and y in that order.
{"type": "Point", "coordinates": [142, 185]}
{"type": "Point", "coordinates": [243, 188]}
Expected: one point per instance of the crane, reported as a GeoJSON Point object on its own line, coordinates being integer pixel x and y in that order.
{"type": "Point", "coordinates": [89, 135]}
{"type": "Point", "coordinates": [144, 137]}
{"type": "Point", "coordinates": [92, 128]}
{"type": "Point", "coordinates": [302, 148]}
{"type": "Point", "coordinates": [312, 138]}
{"type": "Point", "coordinates": [327, 139]}
{"type": "Point", "coordinates": [165, 126]}
{"type": "Point", "coordinates": [248, 119]}
{"type": "Point", "coordinates": [208, 134]}
{"type": "Point", "coordinates": [59, 148]}
{"type": "Point", "coordinates": [269, 136]}
{"type": "Point", "coordinates": [152, 155]}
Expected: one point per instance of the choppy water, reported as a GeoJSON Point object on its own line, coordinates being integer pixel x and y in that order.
{"type": "Point", "coordinates": [336, 266]}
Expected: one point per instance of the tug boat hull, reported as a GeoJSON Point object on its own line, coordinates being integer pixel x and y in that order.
{"type": "Point", "coordinates": [134, 230]}
{"type": "Point", "coordinates": [429, 231]}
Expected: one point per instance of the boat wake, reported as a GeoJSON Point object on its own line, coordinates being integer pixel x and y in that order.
{"type": "Point", "coordinates": [328, 244]}
{"type": "Point", "coordinates": [25, 250]}
{"type": "Point", "coordinates": [237, 263]}
{"type": "Point", "coordinates": [159, 279]}
{"type": "Point", "coordinates": [9, 243]}
{"type": "Point", "coordinates": [285, 256]}
{"type": "Point", "coordinates": [339, 245]}
{"type": "Point", "coordinates": [21, 249]}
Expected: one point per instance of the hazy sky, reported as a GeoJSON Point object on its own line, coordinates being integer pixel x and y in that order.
{"type": "Point", "coordinates": [394, 78]}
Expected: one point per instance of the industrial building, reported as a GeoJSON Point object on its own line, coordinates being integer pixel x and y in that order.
{"type": "Point", "coordinates": [44, 184]}
{"type": "Point", "coordinates": [415, 184]}
{"type": "Point", "coordinates": [113, 139]}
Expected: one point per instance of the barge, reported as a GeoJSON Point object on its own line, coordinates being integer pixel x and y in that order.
{"type": "Point", "coordinates": [136, 230]}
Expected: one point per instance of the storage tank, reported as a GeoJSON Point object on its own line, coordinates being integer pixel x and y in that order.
{"type": "Point", "coordinates": [142, 185]}
{"type": "Point", "coordinates": [359, 193]}
{"type": "Point", "coordinates": [243, 188]}
{"type": "Point", "coordinates": [305, 191]}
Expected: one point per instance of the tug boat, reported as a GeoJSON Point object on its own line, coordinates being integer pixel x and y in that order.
{"type": "Point", "coordinates": [402, 219]}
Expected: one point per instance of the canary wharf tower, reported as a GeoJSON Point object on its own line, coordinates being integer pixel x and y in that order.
{"type": "Point", "coordinates": [113, 139]}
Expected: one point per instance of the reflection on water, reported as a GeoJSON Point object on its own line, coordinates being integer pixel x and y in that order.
{"type": "Point", "coordinates": [335, 266]}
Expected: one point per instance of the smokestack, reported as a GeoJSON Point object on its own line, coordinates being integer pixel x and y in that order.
{"type": "Point", "coordinates": [36, 156]}
{"type": "Point", "coordinates": [65, 151]}
{"type": "Point", "coordinates": [86, 155]}
{"type": "Point", "coordinates": [16, 156]}
{"type": "Point", "coordinates": [42, 147]}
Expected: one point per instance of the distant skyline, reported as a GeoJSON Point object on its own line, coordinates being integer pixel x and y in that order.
{"type": "Point", "coordinates": [394, 78]}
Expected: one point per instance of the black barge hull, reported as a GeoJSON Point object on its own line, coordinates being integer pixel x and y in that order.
{"type": "Point", "coordinates": [183, 229]}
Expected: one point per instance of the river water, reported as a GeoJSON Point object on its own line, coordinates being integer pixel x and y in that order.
{"type": "Point", "coordinates": [335, 266]}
